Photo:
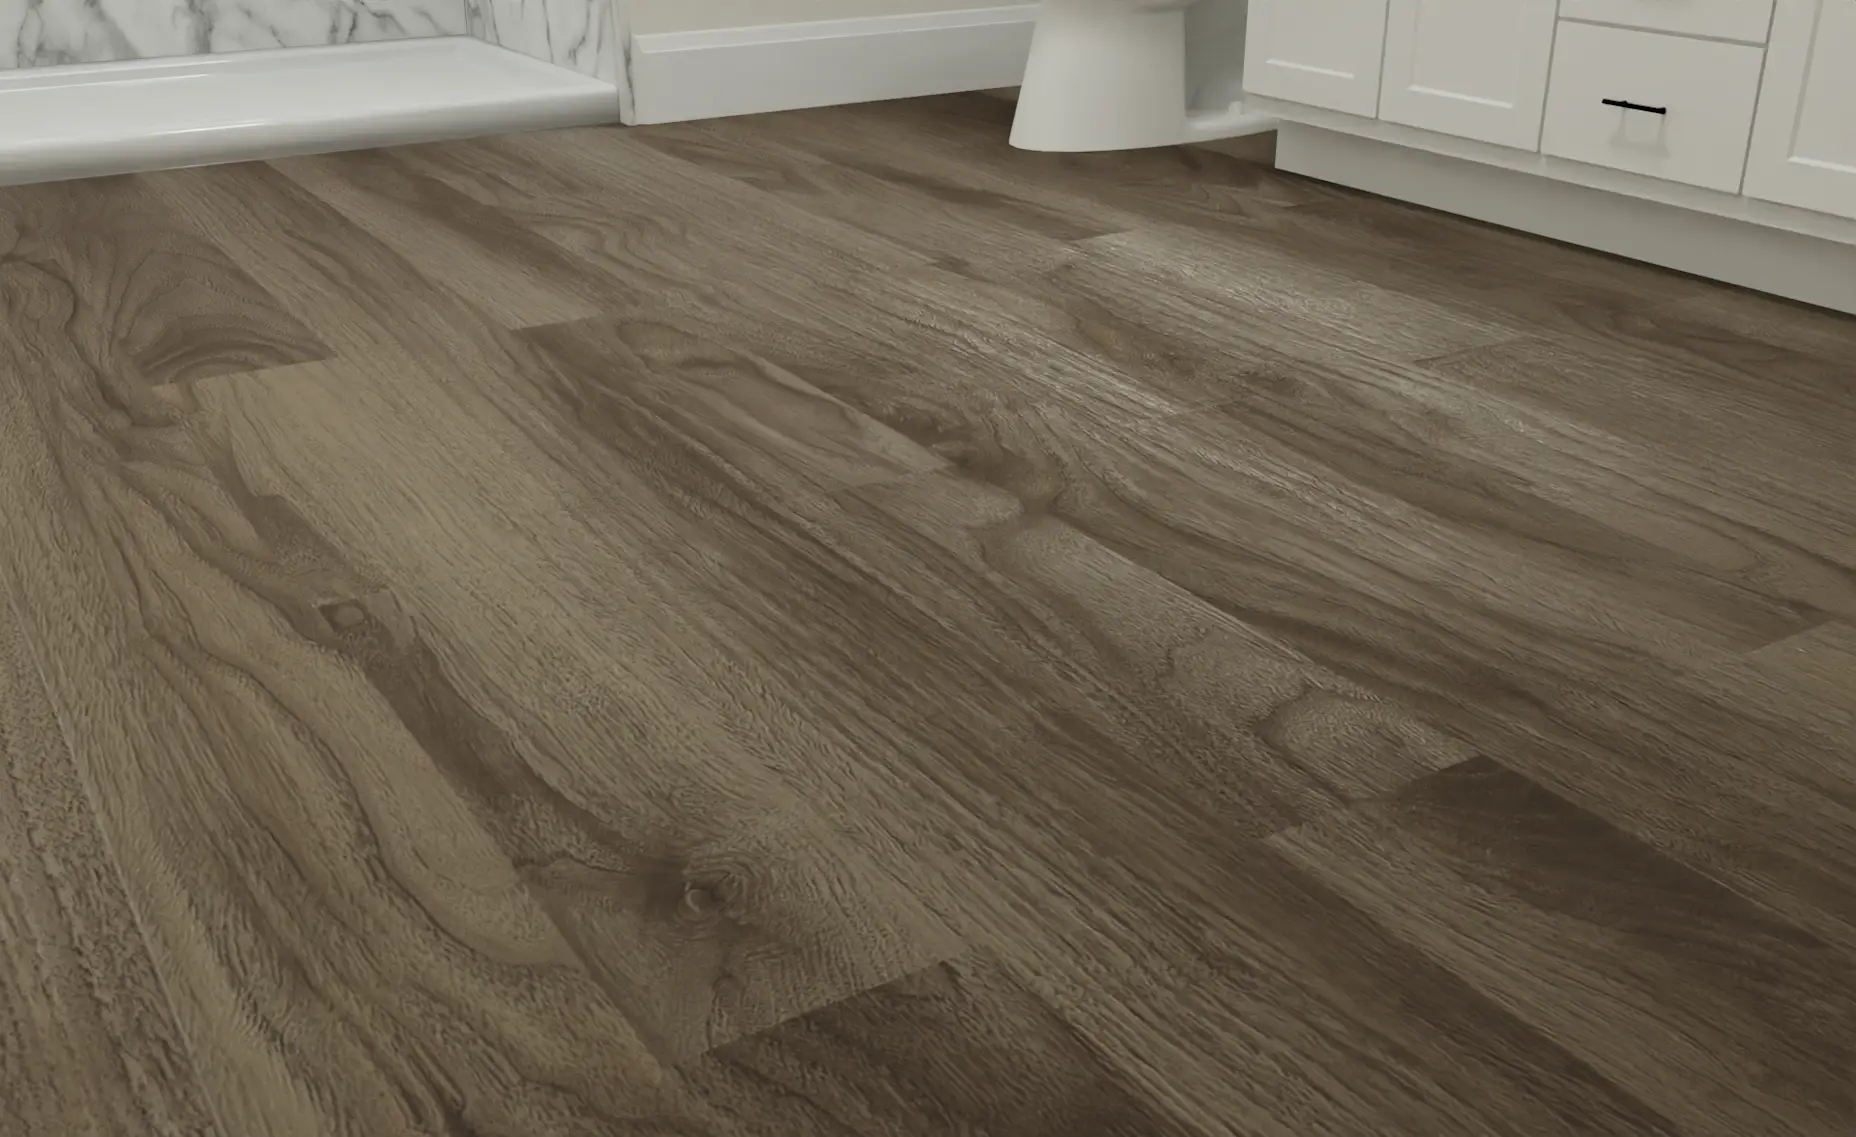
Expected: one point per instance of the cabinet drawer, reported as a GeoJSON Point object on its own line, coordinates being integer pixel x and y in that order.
{"type": "Point", "coordinates": [1706, 92]}
{"type": "Point", "coordinates": [1746, 20]}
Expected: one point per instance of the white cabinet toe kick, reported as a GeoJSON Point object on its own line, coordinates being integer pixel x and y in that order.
{"type": "Point", "coordinates": [1715, 137]}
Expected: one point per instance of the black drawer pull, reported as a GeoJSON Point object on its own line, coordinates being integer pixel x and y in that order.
{"type": "Point", "coordinates": [1630, 106]}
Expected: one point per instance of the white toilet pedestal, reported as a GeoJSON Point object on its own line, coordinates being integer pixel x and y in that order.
{"type": "Point", "coordinates": [1111, 75]}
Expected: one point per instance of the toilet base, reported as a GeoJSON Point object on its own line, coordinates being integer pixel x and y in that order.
{"type": "Point", "coordinates": [1111, 75]}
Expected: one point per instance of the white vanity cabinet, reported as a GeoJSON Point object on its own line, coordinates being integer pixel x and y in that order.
{"type": "Point", "coordinates": [1804, 140]}
{"type": "Point", "coordinates": [1470, 68]}
{"type": "Point", "coordinates": [1665, 106]}
{"type": "Point", "coordinates": [1321, 53]}
{"type": "Point", "coordinates": [1715, 137]}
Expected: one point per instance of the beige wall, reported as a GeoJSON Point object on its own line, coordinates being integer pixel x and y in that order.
{"type": "Point", "coordinates": [698, 15]}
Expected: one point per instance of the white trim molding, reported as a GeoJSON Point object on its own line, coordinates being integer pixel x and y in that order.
{"type": "Point", "coordinates": [1812, 259]}
{"type": "Point", "coordinates": [678, 76]}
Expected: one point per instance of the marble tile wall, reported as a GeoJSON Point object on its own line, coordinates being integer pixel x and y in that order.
{"type": "Point", "coordinates": [36, 33]}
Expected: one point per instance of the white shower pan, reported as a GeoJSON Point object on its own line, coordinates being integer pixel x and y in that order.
{"type": "Point", "coordinates": [112, 118]}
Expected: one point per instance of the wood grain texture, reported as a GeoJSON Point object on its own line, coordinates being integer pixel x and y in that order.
{"type": "Point", "coordinates": [512, 274]}
{"type": "Point", "coordinates": [345, 948]}
{"type": "Point", "coordinates": [145, 300]}
{"type": "Point", "coordinates": [824, 623]}
{"type": "Point", "coordinates": [1643, 967]}
{"type": "Point", "coordinates": [88, 1043]}
{"type": "Point", "coordinates": [958, 1048]}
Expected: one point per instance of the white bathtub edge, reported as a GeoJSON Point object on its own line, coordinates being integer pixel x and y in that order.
{"type": "Point", "coordinates": [394, 93]}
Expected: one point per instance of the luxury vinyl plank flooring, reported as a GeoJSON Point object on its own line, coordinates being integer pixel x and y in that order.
{"type": "Point", "coordinates": [953, 223]}
{"type": "Point", "coordinates": [88, 1042]}
{"type": "Point", "coordinates": [148, 300]}
{"type": "Point", "coordinates": [514, 275]}
{"type": "Point", "coordinates": [823, 623]}
{"type": "Point", "coordinates": [1699, 987]}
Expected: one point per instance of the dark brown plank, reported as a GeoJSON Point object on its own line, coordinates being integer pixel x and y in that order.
{"type": "Point", "coordinates": [88, 1043]}
{"type": "Point", "coordinates": [144, 299]}
{"type": "Point", "coordinates": [1811, 677]}
{"type": "Point", "coordinates": [961, 1047]}
{"type": "Point", "coordinates": [835, 293]}
{"type": "Point", "coordinates": [1644, 968]}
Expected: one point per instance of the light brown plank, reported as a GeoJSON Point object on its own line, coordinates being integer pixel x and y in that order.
{"type": "Point", "coordinates": [608, 750]}
{"type": "Point", "coordinates": [144, 299]}
{"type": "Point", "coordinates": [88, 1043]}
{"type": "Point", "coordinates": [950, 221]}
{"type": "Point", "coordinates": [654, 224]}
{"type": "Point", "coordinates": [512, 274]}
{"type": "Point", "coordinates": [1779, 424]}
{"type": "Point", "coordinates": [345, 949]}
{"type": "Point", "coordinates": [1299, 306]}
{"type": "Point", "coordinates": [605, 375]}
{"type": "Point", "coordinates": [804, 634]}
{"type": "Point", "coordinates": [914, 553]}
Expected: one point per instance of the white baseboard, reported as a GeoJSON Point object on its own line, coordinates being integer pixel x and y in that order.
{"type": "Point", "coordinates": [1731, 205]}
{"type": "Point", "coordinates": [116, 118]}
{"type": "Point", "coordinates": [710, 74]}
{"type": "Point", "coordinates": [1794, 265]}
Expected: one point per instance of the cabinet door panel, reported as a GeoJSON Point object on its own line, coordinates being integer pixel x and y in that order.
{"type": "Point", "coordinates": [1472, 68]}
{"type": "Point", "coordinates": [1804, 141]}
{"type": "Point", "coordinates": [1324, 53]}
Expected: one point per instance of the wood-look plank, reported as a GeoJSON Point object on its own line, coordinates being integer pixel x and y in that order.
{"type": "Point", "coordinates": [1787, 425]}
{"type": "Point", "coordinates": [1282, 297]}
{"type": "Point", "coordinates": [961, 1047]}
{"type": "Point", "coordinates": [346, 949]}
{"type": "Point", "coordinates": [1807, 681]}
{"type": "Point", "coordinates": [843, 668]}
{"type": "Point", "coordinates": [1770, 320]}
{"type": "Point", "coordinates": [1568, 491]}
{"type": "Point", "coordinates": [147, 300]}
{"type": "Point", "coordinates": [1500, 637]}
{"type": "Point", "coordinates": [88, 1043]}
{"type": "Point", "coordinates": [654, 224]}
{"type": "Point", "coordinates": [824, 622]}
{"type": "Point", "coordinates": [514, 275]}
{"type": "Point", "coordinates": [961, 140]}
{"type": "Point", "coordinates": [609, 374]}
{"type": "Point", "coordinates": [1203, 696]}
{"type": "Point", "coordinates": [1552, 286]}
{"type": "Point", "coordinates": [1222, 504]}
{"type": "Point", "coordinates": [839, 291]}
{"type": "Point", "coordinates": [953, 223]}
{"type": "Point", "coordinates": [1644, 968]}
{"type": "Point", "coordinates": [611, 756]}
